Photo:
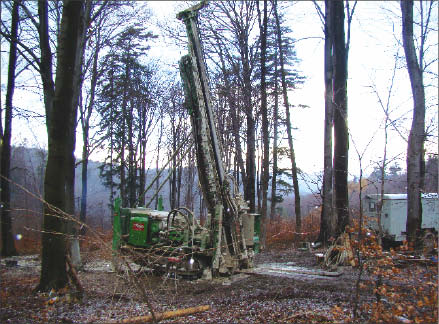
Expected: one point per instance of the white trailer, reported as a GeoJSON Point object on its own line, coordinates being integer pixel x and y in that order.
{"type": "Point", "coordinates": [394, 214]}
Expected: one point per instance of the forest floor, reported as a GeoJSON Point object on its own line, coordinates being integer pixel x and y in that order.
{"type": "Point", "coordinates": [267, 296]}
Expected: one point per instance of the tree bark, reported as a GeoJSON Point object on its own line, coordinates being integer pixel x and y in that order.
{"type": "Point", "coordinates": [53, 267]}
{"type": "Point", "coordinates": [341, 136]}
{"type": "Point", "coordinates": [78, 79]}
{"type": "Point", "coordinates": [415, 149]}
{"type": "Point", "coordinates": [327, 212]}
{"type": "Point", "coordinates": [8, 246]}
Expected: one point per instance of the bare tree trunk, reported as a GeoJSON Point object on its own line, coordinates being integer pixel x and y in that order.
{"type": "Point", "coordinates": [289, 127]}
{"type": "Point", "coordinates": [327, 212]}
{"type": "Point", "coordinates": [53, 267]}
{"type": "Point", "coordinates": [190, 175]}
{"type": "Point", "coordinates": [240, 17]}
{"type": "Point", "coordinates": [383, 166]}
{"type": "Point", "coordinates": [78, 79]}
{"type": "Point", "coordinates": [122, 176]}
{"type": "Point", "coordinates": [142, 144]}
{"type": "Point", "coordinates": [341, 136]}
{"type": "Point", "coordinates": [8, 246]}
{"type": "Point", "coordinates": [46, 60]}
{"type": "Point", "coordinates": [275, 139]}
{"type": "Point", "coordinates": [383, 177]}
{"type": "Point", "coordinates": [202, 207]}
{"type": "Point", "coordinates": [264, 111]}
{"type": "Point", "coordinates": [85, 115]}
{"type": "Point", "coordinates": [179, 177]}
{"type": "Point", "coordinates": [234, 116]}
{"type": "Point", "coordinates": [173, 182]}
{"type": "Point", "coordinates": [249, 190]}
{"type": "Point", "coordinates": [259, 148]}
{"type": "Point", "coordinates": [415, 149]}
{"type": "Point", "coordinates": [112, 185]}
{"type": "Point", "coordinates": [159, 143]}
{"type": "Point", "coordinates": [131, 179]}
{"type": "Point", "coordinates": [85, 123]}
{"type": "Point", "coordinates": [142, 176]}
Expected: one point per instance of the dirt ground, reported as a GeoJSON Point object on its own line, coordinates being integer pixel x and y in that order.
{"type": "Point", "coordinates": [257, 298]}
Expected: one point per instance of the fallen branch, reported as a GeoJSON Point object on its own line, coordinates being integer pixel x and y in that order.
{"type": "Point", "coordinates": [165, 315]}
{"type": "Point", "coordinates": [299, 271]}
{"type": "Point", "coordinates": [308, 272]}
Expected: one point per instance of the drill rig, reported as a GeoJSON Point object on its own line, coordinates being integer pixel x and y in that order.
{"type": "Point", "coordinates": [229, 239]}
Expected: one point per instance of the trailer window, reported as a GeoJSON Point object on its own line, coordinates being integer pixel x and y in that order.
{"type": "Point", "coordinates": [371, 206]}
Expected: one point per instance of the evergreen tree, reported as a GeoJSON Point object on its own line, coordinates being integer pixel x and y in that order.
{"type": "Point", "coordinates": [126, 112]}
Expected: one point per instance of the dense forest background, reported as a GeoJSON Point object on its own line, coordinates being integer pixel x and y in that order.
{"type": "Point", "coordinates": [129, 116]}
{"type": "Point", "coordinates": [27, 173]}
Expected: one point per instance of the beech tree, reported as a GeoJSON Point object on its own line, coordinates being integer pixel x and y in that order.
{"type": "Point", "coordinates": [341, 135]}
{"type": "Point", "coordinates": [335, 185]}
{"type": "Point", "coordinates": [8, 246]}
{"type": "Point", "coordinates": [60, 132]}
{"type": "Point", "coordinates": [238, 46]}
{"type": "Point", "coordinates": [327, 210]}
{"type": "Point", "coordinates": [415, 149]}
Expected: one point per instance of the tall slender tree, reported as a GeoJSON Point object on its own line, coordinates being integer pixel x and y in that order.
{"type": "Point", "coordinates": [415, 149]}
{"type": "Point", "coordinates": [96, 40]}
{"type": "Point", "coordinates": [335, 209]}
{"type": "Point", "coordinates": [288, 123]}
{"type": "Point", "coordinates": [263, 25]}
{"type": "Point", "coordinates": [8, 246]}
{"type": "Point", "coordinates": [327, 211]}
{"type": "Point", "coordinates": [274, 196]}
{"type": "Point", "coordinates": [341, 135]}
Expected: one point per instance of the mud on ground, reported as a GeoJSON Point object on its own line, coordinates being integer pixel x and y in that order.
{"type": "Point", "coordinates": [256, 298]}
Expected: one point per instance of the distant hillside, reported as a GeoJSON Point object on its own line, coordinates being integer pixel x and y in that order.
{"type": "Point", "coordinates": [27, 170]}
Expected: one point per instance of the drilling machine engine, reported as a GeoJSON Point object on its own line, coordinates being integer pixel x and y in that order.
{"type": "Point", "coordinates": [230, 237]}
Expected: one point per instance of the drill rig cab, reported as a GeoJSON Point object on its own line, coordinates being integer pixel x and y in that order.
{"type": "Point", "coordinates": [230, 237]}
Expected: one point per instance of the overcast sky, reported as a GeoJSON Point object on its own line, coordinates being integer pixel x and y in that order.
{"type": "Point", "coordinates": [374, 38]}
{"type": "Point", "coordinates": [375, 35]}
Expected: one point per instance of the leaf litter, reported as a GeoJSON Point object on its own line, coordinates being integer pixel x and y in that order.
{"type": "Point", "coordinates": [264, 297]}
